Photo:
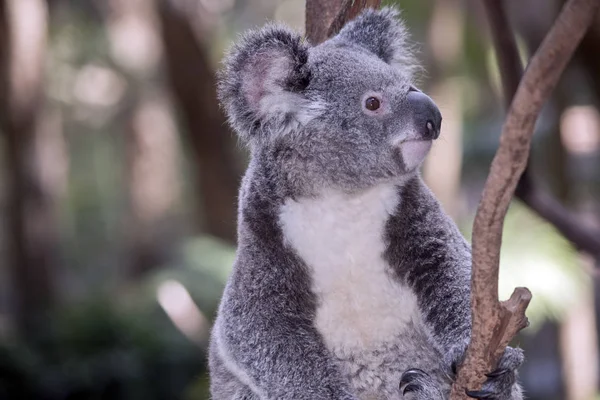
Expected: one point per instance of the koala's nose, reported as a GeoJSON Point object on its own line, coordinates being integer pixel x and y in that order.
{"type": "Point", "coordinates": [426, 115]}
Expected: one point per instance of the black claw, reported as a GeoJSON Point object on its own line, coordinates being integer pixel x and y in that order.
{"type": "Point", "coordinates": [411, 375]}
{"type": "Point", "coordinates": [408, 380]}
{"type": "Point", "coordinates": [480, 394]}
{"type": "Point", "coordinates": [411, 387]}
{"type": "Point", "coordinates": [497, 373]}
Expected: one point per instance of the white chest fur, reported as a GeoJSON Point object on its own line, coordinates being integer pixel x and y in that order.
{"type": "Point", "coordinates": [341, 238]}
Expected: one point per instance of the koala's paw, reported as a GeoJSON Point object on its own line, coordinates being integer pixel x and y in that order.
{"type": "Point", "coordinates": [416, 384]}
{"type": "Point", "coordinates": [502, 383]}
{"type": "Point", "coordinates": [453, 360]}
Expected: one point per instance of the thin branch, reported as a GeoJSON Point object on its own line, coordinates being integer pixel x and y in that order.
{"type": "Point", "coordinates": [496, 323]}
{"type": "Point", "coordinates": [507, 54]}
{"type": "Point", "coordinates": [589, 54]}
{"type": "Point", "coordinates": [569, 224]}
{"type": "Point", "coordinates": [583, 236]}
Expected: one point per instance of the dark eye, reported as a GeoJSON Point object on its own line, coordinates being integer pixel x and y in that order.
{"type": "Point", "coordinates": [372, 103]}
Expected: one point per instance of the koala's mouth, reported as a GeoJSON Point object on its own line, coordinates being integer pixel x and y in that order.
{"type": "Point", "coordinates": [414, 152]}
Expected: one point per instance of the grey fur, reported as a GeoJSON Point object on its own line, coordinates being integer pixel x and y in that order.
{"type": "Point", "coordinates": [299, 109]}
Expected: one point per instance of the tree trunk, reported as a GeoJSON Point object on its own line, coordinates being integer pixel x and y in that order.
{"type": "Point", "coordinates": [31, 218]}
{"type": "Point", "coordinates": [152, 154]}
{"type": "Point", "coordinates": [194, 86]}
{"type": "Point", "coordinates": [152, 147]}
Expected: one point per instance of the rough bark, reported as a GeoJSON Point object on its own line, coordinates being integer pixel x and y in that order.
{"type": "Point", "coordinates": [194, 86]}
{"type": "Point", "coordinates": [348, 12]}
{"type": "Point", "coordinates": [495, 323]}
{"type": "Point", "coordinates": [31, 215]}
{"type": "Point", "coordinates": [568, 223]}
{"type": "Point", "coordinates": [325, 18]}
{"type": "Point", "coordinates": [319, 17]}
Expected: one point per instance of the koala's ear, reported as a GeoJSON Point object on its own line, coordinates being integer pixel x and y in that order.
{"type": "Point", "coordinates": [384, 34]}
{"type": "Point", "coordinates": [262, 81]}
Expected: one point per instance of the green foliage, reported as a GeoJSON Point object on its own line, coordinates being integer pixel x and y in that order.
{"type": "Point", "coordinates": [202, 267]}
{"type": "Point", "coordinates": [122, 345]}
{"type": "Point", "coordinates": [536, 256]}
{"type": "Point", "coordinates": [96, 351]}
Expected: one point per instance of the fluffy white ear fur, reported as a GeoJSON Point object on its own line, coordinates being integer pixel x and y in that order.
{"type": "Point", "coordinates": [262, 84]}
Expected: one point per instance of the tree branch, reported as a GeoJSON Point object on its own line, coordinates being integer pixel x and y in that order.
{"type": "Point", "coordinates": [325, 18]}
{"type": "Point", "coordinates": [568, 223]}
{"type": "Point", "coordinates": [495, 323]}
{"type": "Point", "coordinates": [505, 46]}
{"type": "Point", "coordinates": [349, 11]}
{"type": "Point", "coordinates": [319, 16]}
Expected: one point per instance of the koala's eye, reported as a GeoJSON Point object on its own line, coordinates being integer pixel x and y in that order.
{"type": "Point", "coordinates": [372, 103]}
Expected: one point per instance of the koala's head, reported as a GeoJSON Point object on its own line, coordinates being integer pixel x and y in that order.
{"type": "Point", "coordinates": [343, 114]}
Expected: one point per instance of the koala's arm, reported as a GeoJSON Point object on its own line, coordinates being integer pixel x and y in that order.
{"type": "Point", "coordinates": [434, 259]}
{"type": "Point", "coordinates": [266, 336]}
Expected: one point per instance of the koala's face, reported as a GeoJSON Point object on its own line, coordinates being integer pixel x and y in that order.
{"type": "Point", "coordinates": [342, 115]}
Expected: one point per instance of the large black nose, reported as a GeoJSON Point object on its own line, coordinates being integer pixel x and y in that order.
{"type": "Point", "coordinates": [426, 115]}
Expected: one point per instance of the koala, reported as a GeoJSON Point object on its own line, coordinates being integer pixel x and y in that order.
{"type": "Point", "coordinates": [350, 282]}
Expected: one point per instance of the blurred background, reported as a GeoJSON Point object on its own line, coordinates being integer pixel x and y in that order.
{"type": "Point", "coordinates": [119, 177]}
